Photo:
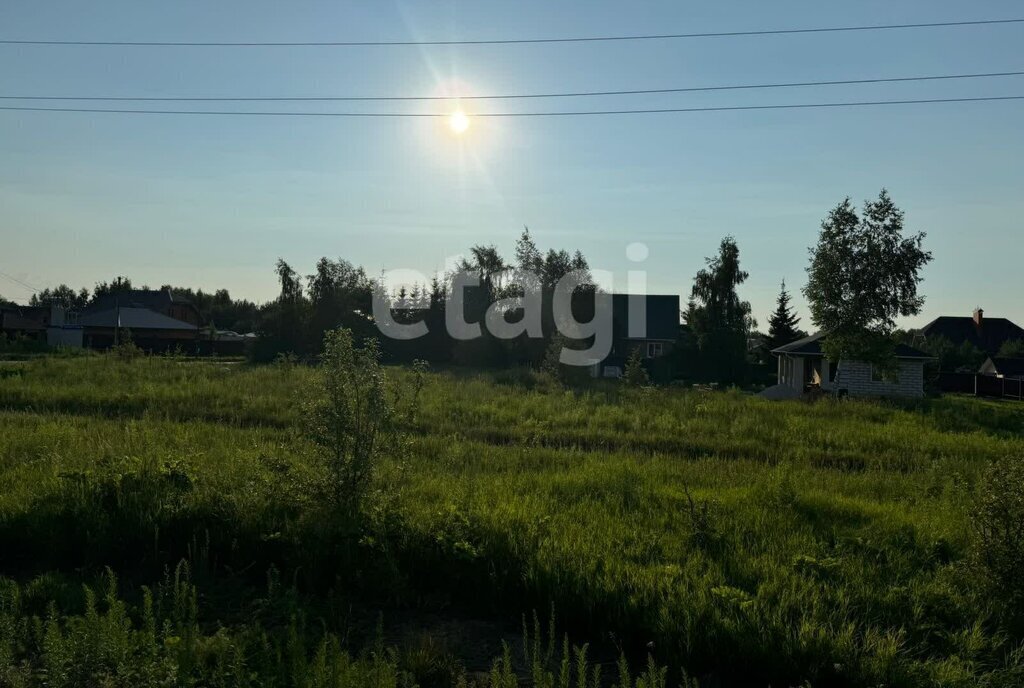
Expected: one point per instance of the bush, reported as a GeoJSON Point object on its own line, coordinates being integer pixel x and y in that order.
{"type": "Point", "coordinates": [558, 372]}
{"type": "Point", "coordinates": [635, 375]}
{"type": "Point", "coordinates": [349, 418]}
{"type": "Point", "coordinates": [998, 521]}
{"type": "Point", "coordinates": [126, 349]}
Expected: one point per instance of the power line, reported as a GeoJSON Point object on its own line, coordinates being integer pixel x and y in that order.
{"type": "Point", "coordinates": [24, 285]}
{"type": "Point", "coordinates": [570, 94]}
{"type": "Point", "coordinates": [513, 41]}
{"type": "Point", "coordinates": [562, 113]}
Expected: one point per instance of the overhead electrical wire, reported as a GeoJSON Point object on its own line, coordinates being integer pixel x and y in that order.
{"type": "Point", "coordinates": [20, 283]}
{"type": "Point", "coordinates": [514, 41]}
{"type": "Point", "coordinates": [555, 113]}
{"type": "Point", "coordinates": [569, 94]}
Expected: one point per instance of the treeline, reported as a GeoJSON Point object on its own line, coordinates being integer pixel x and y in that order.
{"type": "Point", "coordinates": [340, 294]}
{"type": "Point", "coordinates": [716, 339]}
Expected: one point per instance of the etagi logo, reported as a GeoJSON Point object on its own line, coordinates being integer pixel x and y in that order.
{"type": "Point", "coordinates": [521, 292]}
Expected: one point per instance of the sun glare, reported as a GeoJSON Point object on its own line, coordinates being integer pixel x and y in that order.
{"type": "Point", "coordinates": [458, 122]}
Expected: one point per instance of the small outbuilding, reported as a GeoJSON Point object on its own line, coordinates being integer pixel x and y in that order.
{"type": "Point", "coordinates": [803, 367]}
{"type": "Point", "coordinates": [1003, 367]}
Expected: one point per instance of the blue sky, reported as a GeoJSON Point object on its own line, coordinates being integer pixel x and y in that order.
{"type": "Point", "coordinates": [212, 202]}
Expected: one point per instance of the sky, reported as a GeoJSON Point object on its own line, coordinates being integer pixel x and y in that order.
{"type": "Point", "coordinates": [212, 202]}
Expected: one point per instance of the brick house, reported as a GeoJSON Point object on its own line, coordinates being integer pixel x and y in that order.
{"type": "Point", "coordinates": [803, 367]}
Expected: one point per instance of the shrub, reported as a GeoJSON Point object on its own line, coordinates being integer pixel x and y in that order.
{"type": "Point", "coordinates": [998, 520]}
{"type": "Point", "coordinates": [349, 418]}
{"type": "Point", "coordinates": [555, 370]}
{"type": "Point", "coordinates": [704, 532]}
{"type": "Point", "coordinates": [635, 375]}
{"type": "Point", "coordinates": [126, 349]}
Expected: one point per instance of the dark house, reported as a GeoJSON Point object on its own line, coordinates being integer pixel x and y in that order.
{"type": "Point", "coordinates": [162, 301]}
{"type": "Point", "coordinates": [149, 330]}
{"type": "Point", "coordinates": [655, 334]}
{"type": "Point", "coordinates": [987, 334]}
{"type": "Point", "coordinates": [28, 322]}
{"type": "Point", "coordinates": [1003, 367]}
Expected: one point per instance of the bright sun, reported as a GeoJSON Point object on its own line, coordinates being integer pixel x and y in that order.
{"type": "Point", "coordinates": [458, 121]}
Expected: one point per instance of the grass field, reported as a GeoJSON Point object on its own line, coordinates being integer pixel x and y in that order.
{"type": "Point", "coordinates": [749, 542]}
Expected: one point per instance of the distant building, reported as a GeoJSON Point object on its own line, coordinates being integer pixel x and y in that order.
{"type": "Point", "coordinates": [43, 324]}
{"type": "Point", "coordinates": [162, 301]}
{"type": "Point", "coordinates": [155, 319]}
{"type": "Point", "coordinates": [654, 329]}
{"type": "Point", "coordinates": [28, 322]}
{"type": "Point", "coordinates": [1003, 367]}
{"type": "Point", "coordinates": [987, 334]}
{"type": "Point", "coordinates": [148, 329]}
{"type": "Point", "coordinates": [803, 366]}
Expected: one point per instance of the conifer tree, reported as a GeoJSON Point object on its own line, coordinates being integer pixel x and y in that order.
{"type": "Point", "coordinates": [782, 324]}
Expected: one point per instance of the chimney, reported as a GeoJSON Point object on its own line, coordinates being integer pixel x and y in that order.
{"type": "Point", "coordinates": [979, 317]}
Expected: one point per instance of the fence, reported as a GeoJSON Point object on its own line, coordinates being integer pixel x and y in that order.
{"type": "Point", "coordinates": [982, 385]}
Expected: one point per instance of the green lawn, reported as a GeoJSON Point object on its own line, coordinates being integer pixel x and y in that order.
{"type": "Point", "coordinates": [748, 541]}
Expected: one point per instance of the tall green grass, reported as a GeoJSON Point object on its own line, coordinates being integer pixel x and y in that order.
{"type": "Point", "coordinates": [825, 542]}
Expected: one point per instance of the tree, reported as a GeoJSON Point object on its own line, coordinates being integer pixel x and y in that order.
{"type": "Point", "coordinates": [529, 263]}
{"type": "Point", "coordinates": [291, 283]}
{"type": "Point", "coordinates": [948, 356]}
{"type": "Point", "coordinates": [489, 266]}
{"type": "Point", "coordinates": [1012, 348]}
{"type": "Point", "coordinates": [340, 295]}
{"type": "Point", "coordinates": [284, 322]}
{"type": "Point", "coordinates": [63, 296]}
{"type": "Point", "coordinates": [719, 318]}
{"type": "Point", "coordinates": [218, 309]}
{"type": "Point", "coordinates": [864, 274]}
{"type": "Point", "coordinates": [635, 374]}
{"type": "Point", "coordinates": [557, 264]}
{"type": "Point", "coordinates": [118, 285]}
{"type": "Point", "coordinates": [782, 324]}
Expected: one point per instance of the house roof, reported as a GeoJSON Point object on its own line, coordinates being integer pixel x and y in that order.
{"type": "Point", "coordinates": [1008, 366]}
{"type": "Point", "coordinates": [137, 298]}
{"type": "Point", "coordinates": [991, 335]}
{"type": "Point", "coordinates": [662, 314]}
{"type": "Point", "coordinates": [133, 319]}
{"type": "Point", "coordinates": [24, 317]}
{"type": "Point", "coordinates": [811, 346]}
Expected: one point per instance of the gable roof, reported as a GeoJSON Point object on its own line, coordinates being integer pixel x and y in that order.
{"type": "Point", "coordinates": [991, 335]}
{"type": "Point", "coordinates": [811, 346]}
{"type": "Point", "coordinates": [133, 319]}
{"type": "Point", "coordinates": [138, 298]}
{"type": "Point", "coordinates": [662, 314]}
{"type": "Point", "coordinates": [1013, 367]}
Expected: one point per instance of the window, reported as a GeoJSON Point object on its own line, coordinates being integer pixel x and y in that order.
{"type": "Point", "coordinates": [880, 375]}
{"type": "Point", "coordinates": [655, 349]}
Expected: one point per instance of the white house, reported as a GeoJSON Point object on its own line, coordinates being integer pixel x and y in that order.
{"type": "Point", "coordinates": [803, 366]}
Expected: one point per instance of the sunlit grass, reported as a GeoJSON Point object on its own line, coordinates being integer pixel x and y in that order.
{"type": "Point", "coordinates": [823, 541]}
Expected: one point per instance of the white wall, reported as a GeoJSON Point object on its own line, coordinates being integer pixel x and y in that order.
{"type": "Point", "coordinates": [855, 377]}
